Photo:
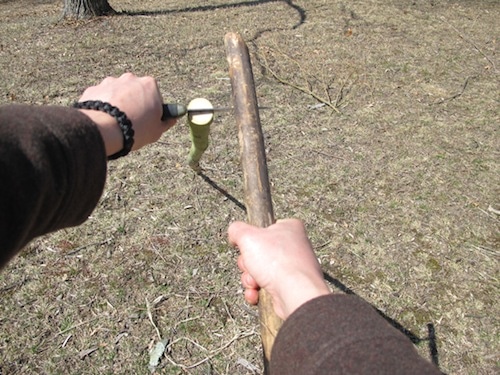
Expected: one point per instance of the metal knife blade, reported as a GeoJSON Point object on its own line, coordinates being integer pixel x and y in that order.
{"type": "Point", "coordinates": [176, 110]}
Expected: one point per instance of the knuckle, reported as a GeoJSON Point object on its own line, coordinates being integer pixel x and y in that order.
{"type": "Point", "coordinates": [128, 75]}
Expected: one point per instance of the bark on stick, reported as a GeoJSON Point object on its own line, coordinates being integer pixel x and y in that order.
{"type": "Point", "coordinates": [253, 161]}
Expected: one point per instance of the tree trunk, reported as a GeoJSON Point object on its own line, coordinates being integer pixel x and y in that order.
{"type": "Point", "coordinates": [87, 8]}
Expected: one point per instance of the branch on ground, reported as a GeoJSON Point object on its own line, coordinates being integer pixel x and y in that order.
{"type": "Point", "coordinates": [308, 87]}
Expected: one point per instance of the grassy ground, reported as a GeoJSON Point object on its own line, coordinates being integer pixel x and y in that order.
{"type": "Point", "coordinates": [383, 137]}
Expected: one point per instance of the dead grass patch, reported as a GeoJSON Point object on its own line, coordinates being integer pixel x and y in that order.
{"type": "Point", "coordinates": [396, 189]}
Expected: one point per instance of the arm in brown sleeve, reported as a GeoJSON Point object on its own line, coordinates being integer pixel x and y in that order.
{"type": "Point", "coordinates": [342, 334]}
{"type": "Point", "coordinates": [52, 172]}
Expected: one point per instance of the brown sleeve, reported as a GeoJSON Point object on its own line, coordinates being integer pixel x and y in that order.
{"type": "Point", "coordinates": [342, 334]}
{"type": "Point", "coordinates": [52, 172]}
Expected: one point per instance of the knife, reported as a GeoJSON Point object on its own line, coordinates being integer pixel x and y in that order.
{"type": "Point", "coordinates": [176, 110]}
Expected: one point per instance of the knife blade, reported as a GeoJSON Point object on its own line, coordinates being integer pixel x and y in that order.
{"type": "Point", "coordinates": [177, 110]}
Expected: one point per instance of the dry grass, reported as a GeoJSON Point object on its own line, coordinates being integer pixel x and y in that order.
{"type": "Point", "coordinates": [398, 191]}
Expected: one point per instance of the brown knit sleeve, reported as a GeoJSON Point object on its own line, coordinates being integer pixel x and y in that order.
{"type": "Point", "coordinates": [52, 172]}
{"type": "Point", "coordinates": [341, 334]}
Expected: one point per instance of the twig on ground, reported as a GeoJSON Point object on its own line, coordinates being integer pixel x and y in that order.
{"type": "Point", "coordinates": [87, 352]}
{"type": "Point", "coordinates": [457, 94]}
{"type": "Point", "coordinates": [340, 95]}
{"type": "Point", "coordinates": [15, 285]}
{"type": "Point", "coordinates": [189, 340]}
{"type": "Point", "coordinates": [470, 42]}
{"type": "Point", "coordinates": [491, 209]}
{"type": "Point", "coordinates": [150, 316]}
{"type": "Point", "coordinates": [187, 320]}
{"type": "Point", "coordinates": [306, 90]}
{"type": "Point", "coordinates": [75, 326]}
{"type": "Point", "coordinates": [323, 245]}
{"type": "Point", "coordinates": [327, 155]}
{"type": "Point", "coordinates": [66, 341]}
{"type": "Point", "coordinates": [78, 249]}
{"type": "Point", "coordinates": [486, 251]}
{"type": "Point", "coordinates": [212, 353]}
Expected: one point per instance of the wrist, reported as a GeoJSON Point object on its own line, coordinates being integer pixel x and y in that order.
{"type": "Point", "coordinates": [109, 129]}
{"type": "Point", "coordinates": [121, 119]}
{"type": "Point", "coordinates": [302, 290]}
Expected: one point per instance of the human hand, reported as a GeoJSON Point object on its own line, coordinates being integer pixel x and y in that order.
{"type": "Point", "coordinates": [139, 98]}
{"type": "Point", "coordinates": [281, 260]}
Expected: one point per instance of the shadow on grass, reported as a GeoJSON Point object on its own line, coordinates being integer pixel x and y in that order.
{"type": "Point", "coordinates": [431, 331]}
{"type": "Point", "coordinates": [223, 191]}
{"type": "Point", "coordinates": [205, 8]}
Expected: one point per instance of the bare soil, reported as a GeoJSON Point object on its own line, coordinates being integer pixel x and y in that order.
{"type": "Point", "coordinates": [383, 138]}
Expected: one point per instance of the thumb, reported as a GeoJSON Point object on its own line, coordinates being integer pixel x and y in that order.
{"type": "Point", "coordinates": [237, 231]}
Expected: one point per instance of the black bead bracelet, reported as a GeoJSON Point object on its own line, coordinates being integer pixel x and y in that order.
{"type": "Point", "coordinates": [123, 122]}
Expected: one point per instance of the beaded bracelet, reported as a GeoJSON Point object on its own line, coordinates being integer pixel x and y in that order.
{"type": "Point", "coordinates": [122, 119]}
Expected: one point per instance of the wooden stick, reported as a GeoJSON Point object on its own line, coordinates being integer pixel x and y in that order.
{"type": "Point", "coordinates": [253, 161]}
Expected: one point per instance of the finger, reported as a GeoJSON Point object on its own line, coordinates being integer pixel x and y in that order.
{"type": "Point", "coordinates": [236, 231]}
{"type": "Point", "coordinates": [248, 281]}
{"type": "Point", "coordinates": [241, 264]}
{"type": "Point", "coordinates": [252, 296]}
{"type": "Point", "coordinates": [128, 75]}
{"type": "Point", "coordinates": [148, 80]}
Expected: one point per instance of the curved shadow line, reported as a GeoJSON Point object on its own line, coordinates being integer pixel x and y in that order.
{"type": "Point", "coordinates": [205, 8]}
{"type": "Point", "coordinates": [431, 337]}
{"type": "Point", "coordinates": [299, 10]}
